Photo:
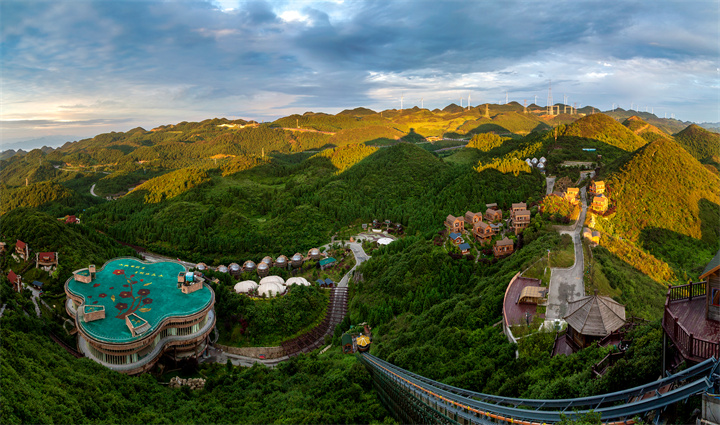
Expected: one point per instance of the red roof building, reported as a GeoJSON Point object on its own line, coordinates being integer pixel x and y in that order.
{"type": "Point", "coordinates": [22, 250]}
{"type": "Point", "coordinates": [15, 281]}
{"type": "Point", "coordinates": [46, 259]}
{"type": "Point", "coordinates": [71, 219]}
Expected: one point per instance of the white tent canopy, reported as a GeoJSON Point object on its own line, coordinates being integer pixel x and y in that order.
{"type": "Point", "coordinates": [385, 241]}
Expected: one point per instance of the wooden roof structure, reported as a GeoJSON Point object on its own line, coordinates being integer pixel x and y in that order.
{"type": "Point", "coordinates": [504, 242]}
{"type": "Point", "coordinates": [595, 315]}
{"type": "Point", "coordinates": [531, 294]}
{"type": "Point", "coordinates": [712, 267]}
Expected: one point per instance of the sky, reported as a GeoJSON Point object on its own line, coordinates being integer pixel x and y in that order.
{"type": "Point", "coordinates": [80, 68]}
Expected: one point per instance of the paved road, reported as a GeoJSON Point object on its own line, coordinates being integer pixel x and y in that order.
{"type": "Point", "coordinates": [360, 257]}
{"type": "Point", "coordinates": [567, 284]}
{"type": "Point", "coordinates": [92, 190]}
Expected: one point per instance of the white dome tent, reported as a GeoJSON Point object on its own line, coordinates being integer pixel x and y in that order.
{"type": "Point", "coordinates": [385, 241]}
{"type": "Point", "coordinates": [270, 289]}
{"type": "Point", "coordinates": [297, 281]}
{"type": "Point", "coordinates": [245, 287]}
{"type": "Point", "coordinates": [273, 279]}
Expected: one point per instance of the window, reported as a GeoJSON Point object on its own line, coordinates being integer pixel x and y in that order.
{"type": "Point", "coordinates": [715, 299]}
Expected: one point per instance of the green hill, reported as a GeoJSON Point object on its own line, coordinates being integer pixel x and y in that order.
{"type": "Point", "coordinates": [667, 203]}
{"type": "Point", "coordinates": [699, 142]}
{"type": "Point", "coordinates": [602, 128]}
{"type": "Point", "coordinates": [43, 195]}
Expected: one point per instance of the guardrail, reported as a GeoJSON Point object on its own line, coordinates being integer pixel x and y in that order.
{"type": "Point", "coordinates": [467, 406]}
{"type": "Point", "coordinates": [687, 291]}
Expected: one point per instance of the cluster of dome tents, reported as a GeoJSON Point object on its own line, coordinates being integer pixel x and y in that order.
{"type": "Point", "coordinates": [270, 286]}
{"type": "Point", "coordinates": [539, 163]}
{"type": "Point", "coordinates": [263, 268]}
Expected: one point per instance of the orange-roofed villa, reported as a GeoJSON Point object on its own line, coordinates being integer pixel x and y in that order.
{"type": "Point", "coordinates": [129, 313]}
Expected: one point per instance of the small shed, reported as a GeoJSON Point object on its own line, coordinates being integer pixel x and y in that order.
{"type": "Point", "coordinates": [37, 284]}
{"type": "Point", "coordinates": [456, 238]}
{"type": "Point", "coordinates": [329, 282]}
{"type": "Point", "coordinates": [327, 263]}
{"type": "Point", "coordinates": [320, 282]}
{"type": "Point", "coordinates": [464, 248]}
{"type": "Point", "coordinates": [347, 343]}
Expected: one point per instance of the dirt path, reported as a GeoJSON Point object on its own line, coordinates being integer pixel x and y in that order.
{"type": "Point", "coordinates": [92, 190]}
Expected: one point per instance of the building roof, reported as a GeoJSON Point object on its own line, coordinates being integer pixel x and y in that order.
{"type": "Point", "coordinates": [455, 235]}
{"type": "Point", "coordinates": [47, 256]}
{"type": "Point", "coordinates": [326, 261]}
{"type": "Point", "coordinates": [519, 205]}
{"type": "Point", "coordinates": [201, 266]}
{"type": "Point", "coordinates": [712, 266]}
{"type": "Point", "coordinates": [234, 267]}
{"type": "Point", "coordinates": [329, 281]}
{"type": "Point", "coordinates": [481, 224]}
{"type": "Point", "coordinates": [362, 341]}
{"type": "Point", "coordinates": [532, 292]}
{"type": "Point", "coordinates": [385, 241]}
{"type": "Point", "coordinates": [272, 279]}
{"type": "Point", "coordinates": [464, 246]}
{"type": "Point", "coordinates": [263, 266]}
{"type": "Point", "coordinates": [249, 264]}
{"type": "Point", "coordinates": [270, 289]}
{"type": "Point", "coordinates": [281, 259]}
{"type": "Point", "coordinates": [267, 260]}
{"type": "Point", "coordinates": [297, 257]}
{"type": "Point", "coordinates": [522, 212]}
{"type": "Point", "coordinates": [314, 251]}
{"type": "Point", "coordinates": [469, 215]}
{"type": "Point", "coordinates": [12, 277]}
{"type": "Point", "coordinates": [297, 281]}
{"type": "Point", "coordinates": [491, 206]}
{"type": "Point", "coordinates": [595, 315]}
{"type": "Point", "coordinates": [71, 219]}
{"type": "Point", "coordinates": [450, 218]}
{"type": "Point", "coordinates": [127, 285]}
{"type": "Point", "coordinates": [20, 244]}
{"type": "Point", "coordinates": [37, 283]}
{"type": "Point", "coordinates": [504, 242]}
{"type": "Point", "coordinates": [320, 282]}
{"type": "Point", "coordinates": [222, 269]}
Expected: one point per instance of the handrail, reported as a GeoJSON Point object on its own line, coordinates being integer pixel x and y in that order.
{"type": "Point", "coordinates": [687, 342]}
{"type": "Point", "coordinates": [701, 369]}
{"type": "Point", "coordinates": [686, 291]}
{"type": "Point", "coordinates": [531, 417]}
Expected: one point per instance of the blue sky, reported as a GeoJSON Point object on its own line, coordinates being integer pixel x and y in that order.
{"type": "Point", "coordinates": [85, 67]}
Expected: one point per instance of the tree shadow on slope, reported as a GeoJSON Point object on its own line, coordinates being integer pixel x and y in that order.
{"type": "Point", "coordinates": [685, 254]}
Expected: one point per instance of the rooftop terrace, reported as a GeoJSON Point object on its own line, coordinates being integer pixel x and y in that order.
{"type": "Point", "coordinates": [125, 286]}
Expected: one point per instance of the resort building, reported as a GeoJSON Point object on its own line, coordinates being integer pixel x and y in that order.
{"type": "Point", "coordinates": [692, 315]}
{"type": "Point", "coordinates": [130, 312]}
{"type": "Point", "coordinates": [15, 281]}
{"type": "Point", "coordinates": [263, 269]}
{"type": "Point", "coordinates": [503, 248]}
{"type": "Point", "coordinates": [520, 217]}
{"type": "Point", "coordinates": [597, 187]}
{"type": "Point", "coordinates": [600, 204]}
{"type": "Point", "coordinates": [245, 287]}
{"type": "Point", "coordinates": [572, 195]}
{"type": "Point", "coordinates": [297, 260]}
{"type": "Point", "coordinates": [471, 218]}
{"type": "Point", "coordinates": [22, 250]}
{"type": "Point", "coordinates": [249, 266]}
{"type": "Point", "coordinates": [464, 248]}
{"type": "Point", "coordinates": [454, 224]}
{"type": "Point", "coordinates": [314, 254]}
{"type": "Point", "coordinates": [282, 262]}
{"type": "Point", "coordinates": [593, 236]}
{"type": "Point", "coordinates": [483, 232]}
{"type": "Point", "coordinates": [493, 215]}
{"type": "Point", "coordinates": [46, 260]}
{"type": "Point", "coordinates": [456, 238]}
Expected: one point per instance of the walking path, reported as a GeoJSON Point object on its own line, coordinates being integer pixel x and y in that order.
{"type": "Point", "coordinates": [566, 284]}
{"type": "Point", "coordinates": [550, 183]}
{"type": "Point", "coordinates": [92, 190]}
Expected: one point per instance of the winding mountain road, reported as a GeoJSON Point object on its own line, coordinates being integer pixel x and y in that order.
{"type": "Point", "coordinates": [566, 284]}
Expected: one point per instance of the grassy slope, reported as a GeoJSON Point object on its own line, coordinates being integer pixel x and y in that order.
{"type": "Point", "coordinates": [699, 142]}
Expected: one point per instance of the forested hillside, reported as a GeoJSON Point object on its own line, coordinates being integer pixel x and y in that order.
{"type": "Point", "coordinates": [699, 142]}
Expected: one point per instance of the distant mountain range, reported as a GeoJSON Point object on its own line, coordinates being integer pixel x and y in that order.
{"type": "Point", "coordinates": [29, 144]}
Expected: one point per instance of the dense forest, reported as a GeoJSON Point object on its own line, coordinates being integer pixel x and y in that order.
{"type": "Point", "coordinates": [222, 191]}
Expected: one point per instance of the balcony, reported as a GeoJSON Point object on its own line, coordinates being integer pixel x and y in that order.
{"type": "Point", "coordinates": [685, 323]}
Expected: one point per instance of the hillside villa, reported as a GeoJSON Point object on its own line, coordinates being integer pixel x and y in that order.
{"type": "Point", "coordinates": [600, 204]}
{"type": "Point", "coordinates": [493, 215]}
{"type": "Point", "coordinates": [471, 218]}
{"type": "Point", "coordinates": [520, 217]}
{"type": "Point", "coordinates": [483, 232]}
{"type": "Point", "coordinates": [503, 247]}
{"type": "Point", "coordinates": [593, 236]}
{"type": "Point", "coordinates": [597, 187]}
{"type": "Point", "coordinates": [22, 250]}
{"type": "Point", "coordinates": [15, 280]}
{"type": "Point", "coordinates": [572, 195]}
{"type": "Point", "coordinates": [454, 224]}
{"type": "Point", "coordinates": [46, 260]}
{"type": "Point", "coordinates": [456, 238]}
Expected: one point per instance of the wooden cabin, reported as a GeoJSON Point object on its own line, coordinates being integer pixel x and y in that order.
{"type": "Point", "coordinates": [600, 203]}
{"type": "Point", "coordinates": [503, 247]}
{"type": "Point", "coordinates": [471, 218]}
{"type": "Point", "coordinates": [483, 232]}
{"type": "Point", "coordinates": [22, 250]}
{"type": "Point", "coordinates": [15, 281]}
{"type": "Point", "coordinates": [597, 187]}
{"type": "Point", "coordinates": [454, 224]}
{"type": "Point", "coordinates": [520, 220]}
{"type": "Point", "coordinates": [326, 263]}
{"type": "Point", "coordinates": [46, 260]}
{"type": "Point", "coordinates": [711, 275]}
{"type": "Point", "coordinates": [464, 248]}
{"type": "Point", "coordinates": [593, 317]}
{"type": "Point", "coordinates": [493, 215]}
{"type": "Point", "coordinates": [520, 206]}
{"type": "Point", "coordinates": [493, 206]}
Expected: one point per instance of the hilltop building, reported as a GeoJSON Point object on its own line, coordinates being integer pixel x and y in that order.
{"type": "Point", "coordinates": [597, 187]}
{"type": "Point", "coordinates": [692, 316]}
{"type": "Point", "coordinates": [493, 215]}
{"type": "Point", "coordinates": [129, 313]}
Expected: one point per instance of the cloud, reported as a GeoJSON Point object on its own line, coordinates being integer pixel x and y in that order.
{"type": "Point", "coordinates": [175, 61]}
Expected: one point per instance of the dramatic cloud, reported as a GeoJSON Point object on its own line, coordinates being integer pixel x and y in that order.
{"type": "Point", "coordinates": [126, 63]}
